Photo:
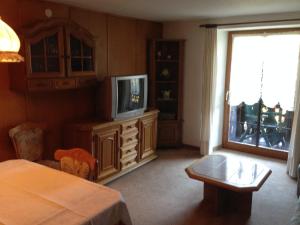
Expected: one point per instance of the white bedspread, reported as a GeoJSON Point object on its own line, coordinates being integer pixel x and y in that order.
{"type": "Point", "coordinates": [34, 194]}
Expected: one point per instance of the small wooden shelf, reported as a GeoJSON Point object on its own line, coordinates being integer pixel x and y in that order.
{"type": "Point", "coordinates": [81, 57]}
{"type": "Point", "coordinates": [166, 76]}
{"type": "Point", "coordinates": [167, 60]}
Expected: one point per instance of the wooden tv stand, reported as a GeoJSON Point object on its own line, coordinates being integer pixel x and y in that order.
{"type": "Point", "coordinates": [119, 146]}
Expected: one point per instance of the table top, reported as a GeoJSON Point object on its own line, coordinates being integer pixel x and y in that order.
{"type": "Point", "coordinates": [232, 173]}
{"type": "Point", "coordinates": [34, 194]}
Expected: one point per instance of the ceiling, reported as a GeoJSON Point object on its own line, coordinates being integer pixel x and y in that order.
{"type": "Point", "coordinates": [168, 10]}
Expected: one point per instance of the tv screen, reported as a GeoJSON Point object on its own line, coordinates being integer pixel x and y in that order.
{"type": "Point", "coordinates": [130, 94]}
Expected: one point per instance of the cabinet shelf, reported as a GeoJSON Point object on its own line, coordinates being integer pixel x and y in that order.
{"type": "Point", "coordinates": [167, 60]}
{"type": "Point", "coordinates": [166, 82]}
{"type": "Point", "coordinates": [166, 99]}
{"type": "Point", "coordinates": [166, 75]}
{"type": "Point", "coordinates": [81, 57]}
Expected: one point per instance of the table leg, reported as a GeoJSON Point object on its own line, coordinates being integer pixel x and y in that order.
{"type": "Point", "coordinates": [226, 201]}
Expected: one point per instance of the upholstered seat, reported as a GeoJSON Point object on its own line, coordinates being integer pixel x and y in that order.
{"type": "Point", "coordinates": [76, 161]}
{"type": "Point", "coordinates": [28, 142]}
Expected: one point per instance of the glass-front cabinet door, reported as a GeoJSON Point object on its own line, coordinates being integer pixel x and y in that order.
{"type": "Point", "coordinates": [45, 54]}
{"type": "Point", "coordinates": [81, 54]}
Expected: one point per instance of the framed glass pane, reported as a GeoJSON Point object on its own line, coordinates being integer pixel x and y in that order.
{"type": "Point", "coordinates": [75, 46]}
{"type": "Point", "coordinates": [275, 128]}
{"type": "Point", "coordinates": [38, 64]}
{"type": "Point", "coordinates": [52, 45]}
{"type": "Point", "coordinates": [88, 65]}
{"type": "Point", "coordinates": [87, 51]}
{"type": "Point", "coordinates": [243, 123]}
{"type": "Point", "coordinates": [76, 64]}
{"type": "Point", "coordinates": [53, 64]}
{"type": "Point", "coordinates": [37, 49]}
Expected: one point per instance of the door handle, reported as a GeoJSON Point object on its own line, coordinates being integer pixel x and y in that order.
{"type": "Point", "coordinates": [227, 97]}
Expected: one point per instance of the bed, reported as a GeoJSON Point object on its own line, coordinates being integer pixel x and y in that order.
{"type": "Point", "coordinates": [35, 194]}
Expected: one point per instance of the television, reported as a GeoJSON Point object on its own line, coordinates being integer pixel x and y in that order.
{"type": "Point", "coordinates": [122, 97]}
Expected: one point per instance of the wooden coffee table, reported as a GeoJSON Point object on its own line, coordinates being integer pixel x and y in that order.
{"type": "Point", "coordinates": [229, 182]}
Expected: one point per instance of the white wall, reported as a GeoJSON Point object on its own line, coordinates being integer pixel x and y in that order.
{"type": "Point", "coordinates": [189, 30]}
{"type": "Point", "coordinates": [192, 70]}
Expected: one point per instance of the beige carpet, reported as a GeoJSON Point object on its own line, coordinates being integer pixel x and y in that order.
{"type": "Point", "coordinates": [160, 193]}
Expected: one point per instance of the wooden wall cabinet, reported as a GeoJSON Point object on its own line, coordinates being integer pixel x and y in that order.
{"type": "Point", "coordinates": [59, 54]}
{"type": "Point", "coordinates": [166, 88]}
{"type": "Point", "coordinates": [118, 146]}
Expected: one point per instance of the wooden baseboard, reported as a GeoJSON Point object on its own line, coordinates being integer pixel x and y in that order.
{"type": "Point", "coordinates": [191, 147]}
{"type": "Point", "coordinates": [256, 151]}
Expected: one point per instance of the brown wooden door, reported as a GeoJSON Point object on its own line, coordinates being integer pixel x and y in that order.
{"type": "Point", "coordinates": [45, 54]}
{"type": "Point", "coordinates": [147, 136]}
{"type": "Point", "coordinates": [106, 149]}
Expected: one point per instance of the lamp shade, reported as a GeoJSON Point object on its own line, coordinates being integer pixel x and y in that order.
{"type": "Point", "coordinates": [9, 44]}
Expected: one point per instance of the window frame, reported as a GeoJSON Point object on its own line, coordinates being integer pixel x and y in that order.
{"type": "Point", "coordinates": [264, 151]}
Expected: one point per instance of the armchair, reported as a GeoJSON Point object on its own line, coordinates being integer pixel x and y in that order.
{"type": "Point", "coordinates": [28, 142]}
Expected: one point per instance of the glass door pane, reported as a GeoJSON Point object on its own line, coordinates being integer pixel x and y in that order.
{"type": "Point", "coordinates": [261, 94]}
{"type": "Point", "coordinates": [243, 123]}
{"type": "Point", "coordinates": [276, 128]}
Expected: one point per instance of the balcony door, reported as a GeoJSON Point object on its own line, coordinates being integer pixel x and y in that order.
{"type": "Point", "coordinates": [261, 79]}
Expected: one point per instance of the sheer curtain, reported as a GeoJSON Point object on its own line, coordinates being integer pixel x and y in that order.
{"type": "Point", "coordinates": [264, 66]}
{"type": "Point", "coordinates": [294, 151]}
{"type": "Point", "coordinates": [207, 84]}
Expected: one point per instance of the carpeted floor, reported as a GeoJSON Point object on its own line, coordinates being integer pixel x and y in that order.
{"type": "Point", "coordinates": [160, 193]}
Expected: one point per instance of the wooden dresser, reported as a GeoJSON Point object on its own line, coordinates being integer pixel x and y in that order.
{"type": "Point", "coordinates": [118, 146]}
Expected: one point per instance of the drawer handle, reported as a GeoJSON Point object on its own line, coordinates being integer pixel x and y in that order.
{"type": "Point", "coordinates": [130, 127]}
{"type": "Point", "coordinates": [129, 139]}
{"type": "Point", "coordinates": [126, 164]}
{"type": "Point", "coordinates": [128, 151]}
{"type": "Point", "coordinates": [110, 138]}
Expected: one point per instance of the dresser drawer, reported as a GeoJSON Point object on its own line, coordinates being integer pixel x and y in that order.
{"type": "Point", "coordinates": [129, 139]}
{"type": "Point", "coordinates": [85, 82]}
{"type": "Point", "coordinates": [128, 150]}
{"type": "Point", "coordinates": [128, 161]}
{"type": "Point", "coordinates": [64, 83]}
{"type": "Point", "coordinates": [39, 85]}
{"type": "Point", "coordinates": [129, 127]}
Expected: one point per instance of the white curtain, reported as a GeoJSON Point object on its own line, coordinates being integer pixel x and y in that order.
{"type": "Point", "coordinates": [207, 84]}
{"type": "Point", "coordinates": [294, 151]}
{"type": "Point", "coordinates": [266, 67]}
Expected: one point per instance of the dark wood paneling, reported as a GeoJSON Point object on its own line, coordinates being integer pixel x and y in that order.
{"type": "Point", "coordinates": [58, 108]}
{"type": "Point", "coordinates": [121, 45]}
{"type": "Point", "coordinates": [31, 11]}
{"type": "Point", "coordinates": [13, 105]}
{"type": "Point", "coordinates": [145, 30]}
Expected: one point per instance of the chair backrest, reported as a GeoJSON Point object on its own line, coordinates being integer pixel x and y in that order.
{"type": "Point", "coordinates": [76, 161]}
{"type": "Point", "coordinates": [28, 140]}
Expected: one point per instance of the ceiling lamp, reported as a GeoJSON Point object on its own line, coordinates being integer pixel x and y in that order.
{"type": "Point", "coordinates": [9, 44]}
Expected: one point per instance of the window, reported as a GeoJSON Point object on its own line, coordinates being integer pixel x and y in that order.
{"type": "Point", "coordinates": [261, 82]}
